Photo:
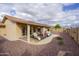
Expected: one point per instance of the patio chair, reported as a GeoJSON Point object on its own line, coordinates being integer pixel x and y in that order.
{"type": "Point", "coordinates": [35, 35]}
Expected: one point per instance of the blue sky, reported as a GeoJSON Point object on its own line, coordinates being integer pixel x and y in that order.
{"type": "Point", "coordinates": [65, 14]}
{"type": "Point", "coordinates": [71, 7]}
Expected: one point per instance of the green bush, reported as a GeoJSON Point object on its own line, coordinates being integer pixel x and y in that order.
{"type": "Point", "coordinates": [57, 26]}
{"type": "Point", "coordinates": [60, 40]}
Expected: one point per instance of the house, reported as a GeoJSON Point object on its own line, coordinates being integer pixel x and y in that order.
{"type": "Point", "coordinates": [2, 26]}
{"type": "Point", "coordinates": [14, 28]}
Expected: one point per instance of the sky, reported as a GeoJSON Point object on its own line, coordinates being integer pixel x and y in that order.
{"type": "Point", "coordinates": [65, 14]}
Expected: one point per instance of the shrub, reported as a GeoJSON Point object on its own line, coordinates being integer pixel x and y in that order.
{"type": "Point", "coordinates": [60, 40]}
{"type": "Point", "coordinates": [57, 26]}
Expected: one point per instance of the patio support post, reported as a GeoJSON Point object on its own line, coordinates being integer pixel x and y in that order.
{"type": "Point", "coordinates": [36, 30]}
{"type": "Point", "coordinates": [28, 33]}
{"type": "Point", "coordinates": [43, 30]}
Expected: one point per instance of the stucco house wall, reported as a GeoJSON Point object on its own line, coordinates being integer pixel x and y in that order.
{"type": "Point", "coordinates": [10, 30]}
{"type": "Point", "coordinates": [2, 31]}
{"type": "Point", "coordinates": [19, 30]}
{"type": "Point", "coordinates": [13, 28]}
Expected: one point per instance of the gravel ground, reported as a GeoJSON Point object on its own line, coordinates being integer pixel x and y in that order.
{"type": "Point", "coordinates": [20, 48]}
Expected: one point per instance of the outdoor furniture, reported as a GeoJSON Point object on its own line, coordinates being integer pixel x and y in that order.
{"type": "Point", "coordinates": [40, 35]}
{"type": "Point", "coordinates": [35, 35]}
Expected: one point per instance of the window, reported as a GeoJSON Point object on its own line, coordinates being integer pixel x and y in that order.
{"type": "Point", "coordinates": [39, 30]}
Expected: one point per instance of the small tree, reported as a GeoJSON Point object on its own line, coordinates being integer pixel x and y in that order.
{"type": "Point", "coordinates": [57, 26]}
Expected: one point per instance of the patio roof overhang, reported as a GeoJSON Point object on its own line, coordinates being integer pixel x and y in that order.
{"type": "Point", "coordinates": [18, 20]}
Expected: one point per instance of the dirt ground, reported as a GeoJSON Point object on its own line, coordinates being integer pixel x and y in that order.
{"type": "Point", "coordinates": [20, 48]}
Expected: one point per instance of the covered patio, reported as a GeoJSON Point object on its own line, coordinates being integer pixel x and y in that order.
{"type": "Point", "coordinates": [28, 31]}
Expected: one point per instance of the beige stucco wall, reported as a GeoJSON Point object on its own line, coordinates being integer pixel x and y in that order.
{"type": "Point", "coordinates": [2, 31]}
{"type": "Point", "coordinates": [10, 30]}
{"type": "Point", "coordinates": [13, 31]}
{"type": "Point", "coordinates": [19, 31]}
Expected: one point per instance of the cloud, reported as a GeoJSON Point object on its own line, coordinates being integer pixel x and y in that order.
{"type": "Point", "coordinates": [73, 15]}
{"type": "Point", "coordinates": [48, 13]}
{"type": "Point", "coordinates": [39, 11]}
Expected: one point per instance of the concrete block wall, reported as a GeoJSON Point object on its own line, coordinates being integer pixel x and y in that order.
{"type": "Point", "coordinates": [73, 33]}
{"type": "Point", "coordinates": [78, 35]}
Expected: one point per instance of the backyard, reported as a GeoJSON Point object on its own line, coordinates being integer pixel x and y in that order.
{"type": "Point", "coordinates": [20, 48]}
